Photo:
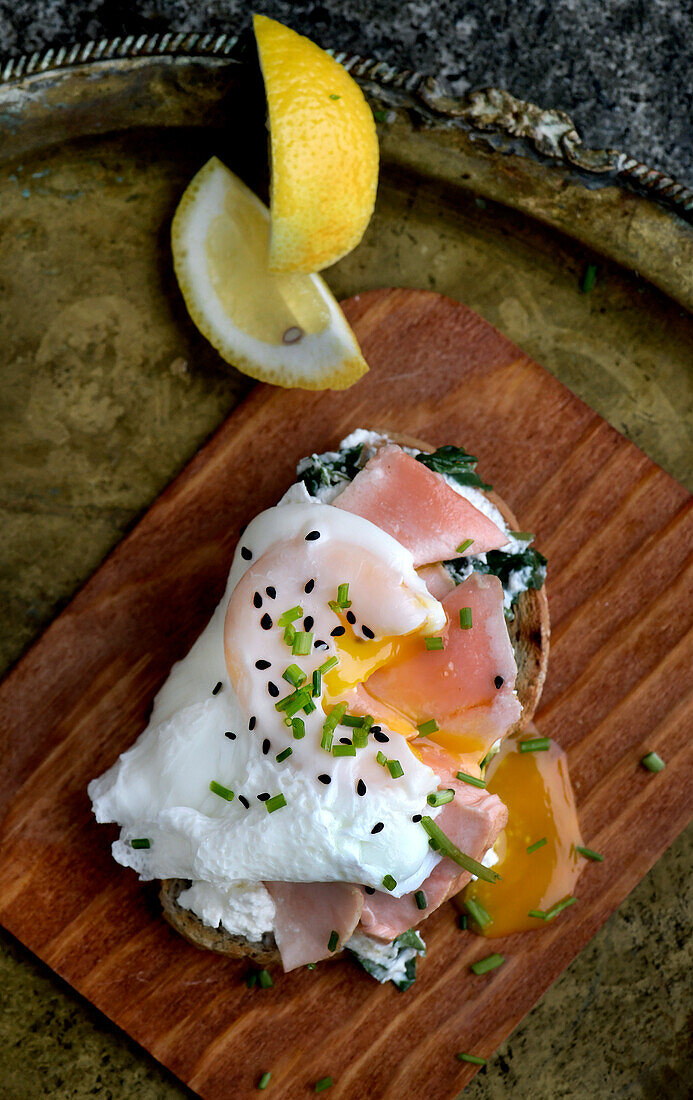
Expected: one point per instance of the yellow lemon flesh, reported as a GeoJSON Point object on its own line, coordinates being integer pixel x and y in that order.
{"type": "Point", "coordinates": [284, 329]}
{"type": "Point", "coordinates": [324, 151]}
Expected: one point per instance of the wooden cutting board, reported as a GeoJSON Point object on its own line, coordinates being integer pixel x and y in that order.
{"type": "Point", "coordinates": [617, 531]}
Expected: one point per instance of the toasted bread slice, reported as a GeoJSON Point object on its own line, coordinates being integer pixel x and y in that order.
{"type": "Point", "coordinates": [529, 633]}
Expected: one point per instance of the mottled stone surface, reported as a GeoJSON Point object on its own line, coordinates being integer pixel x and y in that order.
{"type": "Point", "coordinates": [621, 68]}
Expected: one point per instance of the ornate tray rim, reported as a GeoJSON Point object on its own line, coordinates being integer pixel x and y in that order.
{"type": "Point", "coordinates": [549, 132]}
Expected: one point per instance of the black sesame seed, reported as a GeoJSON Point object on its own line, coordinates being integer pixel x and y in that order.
{"type": "Point", "coordinates": [345, 740]}
{"type": "Point", "coordinates": [375, 729]}
{"type": "Point", "coordinates": [266, 622]}
{"type": "Point", "coordinates": [320, 644]}
{"type": "Point", "coordinates": [312, 536]}
{"type": "Point", "coordinates": [231, 736]}
{"type": "Point", "coordinates": [308, 623]}
{"type": "Point", "coordinates": [246, 553]}
{"type": "Point", "coordinates": [251, 723]}
{"type": "Point", "coordinates": [369, 889]}
{"type": "Point", "coordinates": [416, 817]}
{"type": "Point", "coordinates": [244, 801]}
{"type": "Point", "coordinates": [263, 797]}
{"type": "Point", "coordinates": [378, 827]}
{"type": "Point", "coordinates": [271, 592]}
{"type": "Point", "coordinates": [381, 737]}
{"type": "Point", "coordinates": [325, 778]}
{"type": "Point", "coordinates": [337, 632]}
{"type": "Point", "coordinates": [262, 664]}
{"type": "Point", "coordinates": [309, 586]}
{"type": "Point", "coordinates": [368, 633]}
{"type": "Point", "coordinates": [217, 688]}
{"type": "Point", "coordinates": [257, 600]}
{"type": "Point", "coordinates": [360, 787]}
{"type": "Point", "coordinates": [266, 746]}
{"type": "Point", "coordinates": [272, 689]}
{"type": "Point", "coordinates": [498, 681]}
{"type": "Point", "coordinates": [350, 617]}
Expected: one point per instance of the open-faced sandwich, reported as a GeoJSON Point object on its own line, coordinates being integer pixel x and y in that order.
{"type": "Point", "coordinates": [311, 776]}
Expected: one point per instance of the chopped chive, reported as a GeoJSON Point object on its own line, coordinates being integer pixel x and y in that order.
{"type": "Point", "coordinates": [589, 854]}
{"type": "Point", "coordinates": [360, 738]}
{"type": "Point", "coordinates": [653, 762]}
{"type": "Point", "coordinates": [367, 722]}
{"type": "Point", "coordinates": [309, 706]}
{"type": "Point", "coordinates": [264, 1081]}
{"type": "Point", "coordinates": [389, 882]}
{"type": "Point", "coordinates": [589, 278]}
{"type": "Point", "coordinates": [431, 726]}
{"type": "Point", "coordinates": [223, 792]}
{"type": "Point", "coordinates": [464, 546]}
{"type": "Point", "coordinates": [251, 979]}
{"type": "Point", "coordinates": [432, 642]}
{"type": "Point", "coordinates": [472, 779]}
{"type": "Point", "coordinates": [294, 675]}
{"type": "Point", "coordinates": [265, 979]}
{"type": "Point", "coordinates": [380, 116]}
{"type": "Point", "coordinates": [328, 664]}
{"type": "Point", "coordinates": [284, 754]}
{"type": "Point", "coordinates": [343, 594]}
{"type": "Point", "coordinates": [439, 798]}
{"type": "Point", "coordinates": [549, 914]}
{"type": "Point", "coordinates": [395, 769]}
{"type": "Point", "coordinates": [311, 966]}
{"type": "Point", "coordinates": [333, 941]}
{"type": "Point", "coordinates": [317, 683]}
{"type": "Point", "coordinates": [446, 846]}
{"type": "Point", "coordinates": [291, 704]}
{"type": "Point", "coordinates": [275, 803]}
{"type": "Point", "coordinates": [289, 634]}
{"type": "Point", "coordinates": [537, 845]}
{"type": "Point", "coordinates": [478, 914]}
{"type": "Point", "coordinates": [141, 842]}
{"type": "Point", "coordinates": [352, 720]}
{"type": "Point", "coordinates": [298, 727]}
{"type": "Point", "coordinates": [290, 616]}
{"type": "Point", "coordinates": [327, 739]}
{"type": "Point", "coordinates": [334, 606]}
{"type": "Point", "coordinates": [538, 913]}
{"type": "Point", "coordinates": [522, 536]}
{"type": "Point", "coordinates": [323, 1083]}
{"type": "Point", "coordinates": [334, 96]}
{"type": "Point", "coordinates": [302, 643]}
{"type": "Point", "coordinates": [433, 843]}
{"type": "Point", "coordinates": [462, 921]}
{"type": "Point", "coordinates": [489, 963]}
{"type": "Point", "coordinates": [466, 618]}
{"type": "Point", "coordinates": [344, 750]}
{"type": "Point", "coordinates": [471, 1058]}
{"type": "Point", "coordinates": [420, 899]}
{"type": "Point", "coordinates": [535, 744]}
{"type": "Point", "coordinates": [381, 757]}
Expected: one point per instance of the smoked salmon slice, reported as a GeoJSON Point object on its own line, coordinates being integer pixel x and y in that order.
{"type": "Point", "coordinates": [467, 687]}
{"type": "Point", "coordinates": [306, 915]}
{"type": "Point", "coordinates": [417, 507]}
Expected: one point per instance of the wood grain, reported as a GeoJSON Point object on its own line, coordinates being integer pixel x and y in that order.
{"type": "Point", "coordinates": [617, 531]}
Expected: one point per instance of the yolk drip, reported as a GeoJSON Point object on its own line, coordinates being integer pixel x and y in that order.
{"type": "Point", "coordinates": [536, 788]}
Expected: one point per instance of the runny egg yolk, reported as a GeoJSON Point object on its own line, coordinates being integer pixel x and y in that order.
{"type": "Point", "coordinates": [536, 788]}
{"type": "Point", "coordinates": [359, 658]}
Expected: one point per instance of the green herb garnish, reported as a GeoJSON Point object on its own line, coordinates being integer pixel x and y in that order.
{"type": "Point", "coordinates": [142, 842]}
{"type": "Point", "coordinates": [478, 913]}
{"type": "Point", "coordinates": [389, 882]}
{"type": "Point", "coordinates": [439, 798]}
{"type": "Point", "coordinates": [264, 1081]}
{"type": "Point", "coordinates": [352, 720]}
{"type": "Point", "coordinates": [323, 1083]}
{"type": "Point", "coordinates": [302, 643]}
{"type": "Point", "coordinates": [420, 899]}
{"type": "Point", "coordinates": [434, 643]}
{"type": "Point", "coordinates": [653, 762]}
{"type": "Point", "coordinates": [466, 618]}
{"type": "Point", "coordinates": [431, 726]}
{"type": "Point", "coordinates": [223, 792]}
{"type": "Point", "coordinates": [333, 941]}
{"type": "Point", "coordinates": [294, 675]}
{"type": "Point", "coordinates": [537, 845]}
{"type": "Point", "coordinates": [288, 617]}
{"type": "Point", "coordinates": [489, 963]}
{"type": "Point", "coordinates": [265, 979]}
{"type": "Point", "coordinates": [456, 463]}
{"type": "Point", "coordinates": [317, 683]}
{"type": "Point", "coordinates": [344, 750]}
{"type": "Point", "coordinates": [284, 754]}
{"type": "Point", "coordinates": [535, 744]}
{"type": "Point", "coordinates": [464, 546]}
{"type": "Point", "coordinates": [275, 803]}
{"type": "Point", "coordinates": [328, 664]}
{"type": "Point", "coordinates": [471, 1058]}
{"type": "Point", "coordinates": [360, 738]}
{"type": "Point", "coordinates": [589, 278]}
{"type": "Point", "coordinates": [446, 846]}
{"type": "Point", "coordinates": [381, 757]}
{"type": "Point", "coordinates": [589, 854]}
{"type": "Point", "coordinates": [298, 727]}
{"type": "Point", "coordinates": [395, 769]}
{"type": "Point", "coordinates": [472, 779]}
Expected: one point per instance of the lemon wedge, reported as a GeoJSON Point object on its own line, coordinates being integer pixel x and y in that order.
{"type": "Point", "coordinates": [285, 329]}
{"type": "Point", "coordinates": [324, 151]}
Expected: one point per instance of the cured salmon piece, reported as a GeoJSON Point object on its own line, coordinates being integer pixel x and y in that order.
{"type": "Point", "coordinates": [437, 580]}
{"type": "Point", "coordinates": [472, 821]}
{"type": "Point", "coordinates": [417, 507]}
{"type": "Point", "coordinates": [466, 687]}
{"type": "Point", "coordinates": [306, 915]}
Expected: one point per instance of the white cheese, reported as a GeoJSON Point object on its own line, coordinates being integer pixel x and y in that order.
{"type": "Point", "coordinates": [390, 956]}
{"type": "Point", "coordinates": [245, 909]}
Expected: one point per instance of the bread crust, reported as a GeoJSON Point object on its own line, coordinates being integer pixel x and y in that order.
{"type": "Point", "coordinates": [529, 633]}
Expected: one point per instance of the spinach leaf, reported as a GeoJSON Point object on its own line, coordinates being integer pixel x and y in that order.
{"type": "Point", "coordinates": [406, 949]}
{"type": "Point", "coordinates": [322, 471]}
{"type": "Point", "coordinates": [456, 463]}
{"type": "Point", "coordinates": [516, 571]}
